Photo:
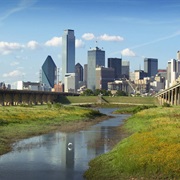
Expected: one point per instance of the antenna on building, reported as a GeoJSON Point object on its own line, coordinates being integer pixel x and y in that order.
{"type": "Point", "coordinates": [96, 44]}
{"type": "Point", "coordinates": [139, 66]}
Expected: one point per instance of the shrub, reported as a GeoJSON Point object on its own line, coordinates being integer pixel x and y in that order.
{"type": "Point", "coordinates": [3, 122]}
{"type": "Point", "coordinates": [57, 105]}
{"type": "Point", "coordinates": [166, 105]}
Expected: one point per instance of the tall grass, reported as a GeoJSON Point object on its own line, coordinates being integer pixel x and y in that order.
{"type": "Point", "coordinates": [152, 151]}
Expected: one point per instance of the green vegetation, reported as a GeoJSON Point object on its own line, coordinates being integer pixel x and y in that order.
{"type": "Point", "coordinates": [132, 100]}
{"type": "Point", "coordinates": [20, 122]}
{"type": "Point", "coordinates": [89, 92]}
{"type": "Point", "coordinates": [111, 100]}
{"type": "Point", "coordinates": [132, 109]}
{"type": "Point", "coordinates": [152, 150]}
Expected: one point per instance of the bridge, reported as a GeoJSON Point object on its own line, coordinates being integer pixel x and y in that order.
{"type": "Point", "coordinates": [170, 95]}
{"type": "Point", "coordinates": [18, 97]}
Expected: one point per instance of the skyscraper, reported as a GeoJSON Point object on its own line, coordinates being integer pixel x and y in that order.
{"type": "Point", "coordinates": [96, 58]}
{"type": "Point", "coordinates": [68, 52]}
{"type": "Point", "coordinates": [103, 76]}
{"type": "Point", "coordinates": [116, 64]}
{"type": "Point", "coordinates": [173, 71]}
{"type": "Point", "coordinates": [125, 69]}
{"type": "Point", "coordinates": [151, 66]}
{"type": "Point", "coordinates": [85, 74]}
{"type": "Point", "coordinates": [49, 72]}
{"type": "Point", "coordinates": [79, 72]}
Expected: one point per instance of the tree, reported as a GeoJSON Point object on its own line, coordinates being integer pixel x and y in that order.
{"type": "Point", "coordinates": [97, 92]}
{"type": "Point", "coordinates": [87, 92]}
{"type": "Point", "coordinates": [120, 93]}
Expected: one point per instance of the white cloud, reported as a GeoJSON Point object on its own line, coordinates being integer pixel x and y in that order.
{"type": "Point", "coordinates": [14, 73]}
{"type": "Point", "coordinates": [88, 36]}
{"type": "Point", "coordinates": [55, 41]}
{"type": "Point", "coordinates": [33, 45]}
{"type": "Point", "coordinates": [7, 48]}
{"type": "Point", "coordinates": [79, 43]}
{"type": "Point", "coordinates": [127, 52]}
{"type": "Point", "coordinates": [106, 37]}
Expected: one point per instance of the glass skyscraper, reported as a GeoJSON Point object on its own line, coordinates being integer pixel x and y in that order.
{"type": "Point", "coordinates": [125, 69]}
{"type": "Point", "coordinates": [79, 72]}
{"type": "Point", "coordinates": [96, 58]}
{"type": "Point", "coordinates": [116, 64]}
{"type": "Point", "coordinates": [49, 72]}
{"type": "Point", "coordinates": [150, 66]}
{"type": "Point", "coordinates": [68, 52]}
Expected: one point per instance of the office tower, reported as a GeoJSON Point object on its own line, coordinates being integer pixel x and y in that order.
{"type": "Point", "coordinates": [125, 69]}
{"type": "Point", "coordinates": [49, 72]}
{"type": "Point", "coordinates": [68, 52]}
{"type": "Point", "coordinates": [96, 58]}
{"type": "Point", "coordinates": [139, 74]}
{"type": "Point", "coordinates": [103, 76]}
{"type": "Point", "coordinates": [115, 63]}
{"type": "Point", "coordinates": [151, 66]}
{"type": "Point", "coordinates": [85, 74]}
{"type": "Point", "coordinates": [163, 73]}
{"type": "Point", "coordinates": [79, 72]}
{"type": "Point", "coordinates": [70, 83]}
{"type": "Point", "coordinates": [173, 71]}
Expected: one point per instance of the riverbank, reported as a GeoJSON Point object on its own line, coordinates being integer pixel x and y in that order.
{"type": "Point", "coordinates": [151, 151]}
{"type": "Point", "coordinates": [17, 123]}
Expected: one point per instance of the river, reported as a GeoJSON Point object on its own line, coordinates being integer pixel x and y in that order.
{"type": "Point", "coordinates": [60, 156]}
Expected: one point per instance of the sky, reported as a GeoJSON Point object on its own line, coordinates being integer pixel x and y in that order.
{"type": "Point", "coordinates": [30, 30]}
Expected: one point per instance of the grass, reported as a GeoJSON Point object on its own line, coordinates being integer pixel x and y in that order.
{"type": "Point", "coordinates": [132, 109]}
{"type": "Point", "coordinates": [112, 100]}
{"type": "Point", "coordinates": [20, 122]}
{"type": "Point", "coordinates": [152, 151]}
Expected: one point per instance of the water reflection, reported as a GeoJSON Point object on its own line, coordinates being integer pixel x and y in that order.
{"type": "Point", "coordinates": [62, 156]}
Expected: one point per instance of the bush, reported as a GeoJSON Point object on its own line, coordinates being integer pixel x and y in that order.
{"type": "Point", "coordinates": [3, 122]}
{"type": "Point", "coordinates": [166, 105]}
{"type": "Point", "coordinates": [49, 105]}
{"type": "Point", "coordinates": [26, 105]}
{"type": "Point", "coordinates": [57, 105]}
{"type": "Point", "coordinates": [140, 108]}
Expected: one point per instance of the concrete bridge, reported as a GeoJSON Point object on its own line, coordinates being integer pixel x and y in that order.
{"type": "Point", "coordinates": [18, 97]}
{"type": "Point", "coordinates": [170, 95]}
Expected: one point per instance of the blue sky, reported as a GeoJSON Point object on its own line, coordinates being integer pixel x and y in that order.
{"type": "Point", "coordinates": [30, 30]}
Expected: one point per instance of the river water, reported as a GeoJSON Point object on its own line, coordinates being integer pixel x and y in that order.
{"type": "Point", "coordinates": [60, 156]}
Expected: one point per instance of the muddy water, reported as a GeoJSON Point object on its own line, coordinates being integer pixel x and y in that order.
{"type": "Point", "coordinates": [61, 156]}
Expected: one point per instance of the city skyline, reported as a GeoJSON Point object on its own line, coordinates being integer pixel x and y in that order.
{"type": "Point", "coordinates": [32, 30]}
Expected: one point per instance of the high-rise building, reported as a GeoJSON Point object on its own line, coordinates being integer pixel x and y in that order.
{"type": "Point", "coordinates": [173, 71]}
{"type": "Point", "coordinates": [103, 76]}
{"type": "Point", "coordinates": [85, 74]}
{"type": "Point", "coordinates": [68, 52]}
{"type": "Point", "coordinates": [125, 69]}
{"type": "Point", "coordinates": [79, 72]}
{"type": "Point", "coordinates": [49, 71]}
{"type": "Point", "coordinates": [151, 66]}
{"type": "Point", "coordinates": [70, 83]}
{"type": "Point", "coordinates": [115, 63]}
{"type": "Point", "coordinates": [96, 58]}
